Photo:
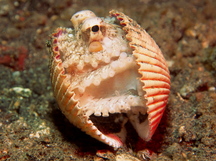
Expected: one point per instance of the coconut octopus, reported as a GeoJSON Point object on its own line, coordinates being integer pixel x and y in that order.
{"type": "Point", "coordinates": [109, 77]}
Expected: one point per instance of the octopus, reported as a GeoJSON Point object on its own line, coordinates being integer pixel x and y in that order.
{"type": "Point", "coordinates": [109, 77]}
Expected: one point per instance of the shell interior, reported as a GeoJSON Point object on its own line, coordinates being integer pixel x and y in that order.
{"type": "Point", "coordinates": [98, 78]}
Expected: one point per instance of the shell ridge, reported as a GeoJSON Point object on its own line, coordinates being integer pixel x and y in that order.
{"type": "Point", "coordinates": [152, 76]}
{"type": "Point", "coordinates": [155, 69]}
{"type": "Point", "coordinates": [126, 22]}
{"type": "Point", "coordinates": [56, 76]}
{"type": "Point", "coordinates": [108, 71]}
{"type": "Point", "coordinates": [145, 51]}
{"type": "Point", "coordinates": [139, 46]}
{"type": "Point", "coordinates": [156, 106]}
{"type": "Point", "coordinates": [156, 83]}
{"type": "Point", "coordinates": [150, 60]}
{"type": "Point", "coordinates": [156, 91]}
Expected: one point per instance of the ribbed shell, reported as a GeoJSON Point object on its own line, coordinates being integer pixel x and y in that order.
{"type": "Point", "coordinates": [65, 97]}
{"type": "Point", "coordinates": [152, 67]}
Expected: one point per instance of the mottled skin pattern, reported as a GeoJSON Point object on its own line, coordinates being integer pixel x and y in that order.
{"type": "Point", "coordinates": [106, 76]}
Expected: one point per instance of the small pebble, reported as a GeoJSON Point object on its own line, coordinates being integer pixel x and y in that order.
{"type": "Point", "coordinates": [24, 92]}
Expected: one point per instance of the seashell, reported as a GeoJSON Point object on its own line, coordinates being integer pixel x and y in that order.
{"type": "Point", "coordinates": [109, 75]}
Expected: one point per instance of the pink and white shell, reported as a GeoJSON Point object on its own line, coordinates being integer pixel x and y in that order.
{"type": "Point", "coordinates": [109, 77]}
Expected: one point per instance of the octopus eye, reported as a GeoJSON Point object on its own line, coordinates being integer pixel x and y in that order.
{"type": "Point", "coordinates": [95, 28]}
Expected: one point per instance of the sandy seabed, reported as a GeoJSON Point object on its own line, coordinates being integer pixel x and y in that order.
{"type": "Point", "coordinates": [33, 128]}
